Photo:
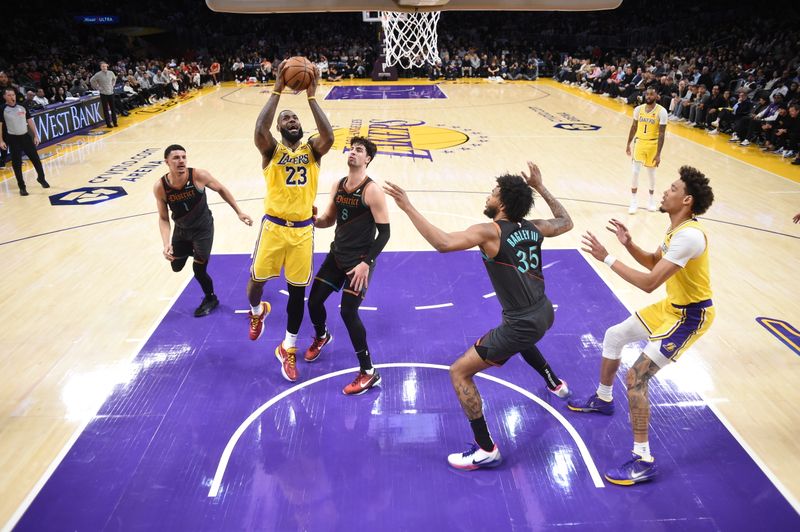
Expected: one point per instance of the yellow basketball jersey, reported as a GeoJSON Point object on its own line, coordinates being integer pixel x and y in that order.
{"type": "Point", "coordinates": [292, 178]}
{"type": "Point", "coordinates": [692, 283]}
{"type": "Point", "coordinates": [648, 123]}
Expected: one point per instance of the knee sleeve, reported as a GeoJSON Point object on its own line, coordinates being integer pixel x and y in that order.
{"type": "Point", "coordinates": [621, 334]}
{"type": "Point", "coordinates": [651, 174]}
{"type": "Point", "coordinates": [636, 167]}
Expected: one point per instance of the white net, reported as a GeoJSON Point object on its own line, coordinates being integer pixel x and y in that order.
{"type": "Point", "coordinates": [410, 38]}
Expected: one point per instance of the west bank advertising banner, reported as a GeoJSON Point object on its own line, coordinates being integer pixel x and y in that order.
{"type": "Point", "coordinates": [59, 121]}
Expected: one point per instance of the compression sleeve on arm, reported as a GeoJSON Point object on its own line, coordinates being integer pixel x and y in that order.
{"type": "Point", "coordinates": [378, 244]}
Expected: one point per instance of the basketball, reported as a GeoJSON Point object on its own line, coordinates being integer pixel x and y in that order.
{"type": "Point", "coordinates": [298, 72]}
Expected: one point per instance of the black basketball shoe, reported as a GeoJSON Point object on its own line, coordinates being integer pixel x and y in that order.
{"type": "Point", "coordinates": [209, 303]}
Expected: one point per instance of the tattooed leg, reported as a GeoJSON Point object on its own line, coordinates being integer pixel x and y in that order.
{"type": "Point", "coordinates": [461, 373]}
{"type": "Point", "coordinates": [638, 380]}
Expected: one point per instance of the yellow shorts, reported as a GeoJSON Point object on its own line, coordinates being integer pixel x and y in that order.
{"type": "Point", "coordinates": [290, 248]}
{"type": "Point", "coordinates": [674, 328]}
{"type": "Point", "coordinates": [644, 151]}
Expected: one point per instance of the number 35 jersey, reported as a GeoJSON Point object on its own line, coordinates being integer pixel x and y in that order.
{"type": "Point", "coordinates": [292, 177]}
{"type": "Point", "coordinates": [516, 271]}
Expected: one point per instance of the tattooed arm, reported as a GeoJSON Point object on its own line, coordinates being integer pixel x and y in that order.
{"type": "Point", "coordinates": [555, 226]}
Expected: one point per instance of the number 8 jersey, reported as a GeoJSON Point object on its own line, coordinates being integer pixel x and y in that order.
{"type": "Point", "coordinates": [292, 178]}
{"type": "Point", "coordinates": [516, 271]}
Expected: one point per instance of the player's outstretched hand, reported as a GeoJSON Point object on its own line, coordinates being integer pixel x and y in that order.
{"type": "Point", "coordinates": [593, 246]}
{"type": "Point", "coordinates": [245, 218]}
{"type": "Point", "coordinates": [399, 195]}
{"type": "Point", "coordinates": [534, 179]}
{"type": "Point", "coordinates": [312, 87]}
{"type": "Point", "coordinates": [619, 229]}
{"type": "Point", "coordinates": [279, 83]}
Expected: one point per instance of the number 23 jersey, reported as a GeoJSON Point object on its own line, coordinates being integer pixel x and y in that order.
{"type": "Point", "coordinates": [292, 177]}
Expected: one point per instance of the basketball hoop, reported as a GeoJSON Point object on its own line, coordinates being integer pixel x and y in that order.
{"type": "Point", "coordinates": [410, 38]}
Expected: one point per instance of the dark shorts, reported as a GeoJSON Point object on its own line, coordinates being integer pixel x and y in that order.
{"type": "Point", "coordinates": [195, 241]}
{"type": "Point", "coordinates": [519, 331]}
{"type": "Point", "coordinates": [334, 274]}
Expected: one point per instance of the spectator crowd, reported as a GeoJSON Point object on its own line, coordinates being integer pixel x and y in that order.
{"type": "Point", "coordinates": [721, 67]}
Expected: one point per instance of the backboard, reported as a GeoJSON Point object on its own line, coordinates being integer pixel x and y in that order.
{"type": "Point", "coordinates": [311, 6]}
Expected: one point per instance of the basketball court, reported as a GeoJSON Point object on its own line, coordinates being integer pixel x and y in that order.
{"type": "Point", "coordinates": [122, 411]}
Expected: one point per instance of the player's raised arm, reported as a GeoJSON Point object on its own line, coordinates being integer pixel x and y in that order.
{"type": "Point", "coordinates": [476, 235]}
{"type": "Point", "coordinates": [562, 221]}
{"type": "Point", "coordinates": [264, 140]}
{"type": "Point", "coordinates": [645, 258]}
{"type": "Point", "coordinates": [647, 281]}
{"type": "Point", "coordinates": [321, 144]}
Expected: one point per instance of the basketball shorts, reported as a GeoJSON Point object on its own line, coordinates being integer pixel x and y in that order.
{"type": "Point", "coordinates": [519, 331]}
{"type": "Point", "coordinates": [194, 241]}
{"type": "Point", "coordinates": [335, 275]}
{"type": "Point", "coordinates": [644, 151]}
{"type": "Point", "coordinates": [290, 248]}
{"type": "Point", "coordinates": [673, 328]}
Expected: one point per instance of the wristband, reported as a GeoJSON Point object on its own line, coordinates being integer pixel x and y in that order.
{"type": "Point", "coordinates": [311, 98]}
{"type": "Point", "coordinates": [610, 260]}
{"type": "Point", "coordinates": [276, 92]}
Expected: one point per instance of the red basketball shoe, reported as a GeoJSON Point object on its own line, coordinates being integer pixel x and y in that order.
{"type": "Point", "coordinates": [257, 322]}
{"type": "Point", "coordinates": [362, 383]}
{"type": "Point", "coordinates": [312, 353]}
{"type": "Point", "coordinates": [288, 360]}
